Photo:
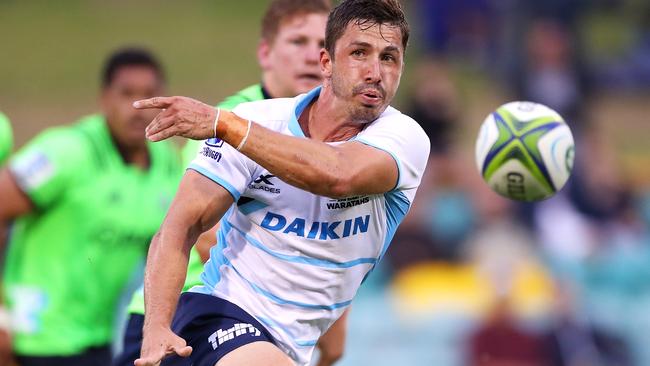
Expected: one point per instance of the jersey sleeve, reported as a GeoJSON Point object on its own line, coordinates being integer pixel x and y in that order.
{"type": "Point", "coordinates": [223, 164]}
{"type": "Point", "coordinates": [402, 138]}
{"type": "Point", "coordinates": [45, 167]}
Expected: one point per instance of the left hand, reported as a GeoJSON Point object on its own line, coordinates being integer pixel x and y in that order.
{"type": "Point", "coordinates": [332, 343]}
{"type": "Point", "coordinates": [180, 116]}
{"type": "Point", "coordinates": [156, 345]}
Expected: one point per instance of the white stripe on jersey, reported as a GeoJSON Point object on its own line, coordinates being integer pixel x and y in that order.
{"type": "Point", "coordinates": [292, 259]}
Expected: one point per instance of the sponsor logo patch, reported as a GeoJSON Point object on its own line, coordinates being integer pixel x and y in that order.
{"type": "Point", "coordinates": [208, 152]}
{"type": "Point", "coordinates": [33, 170]}
{"type": "Point", "coordinates": [347, 202]}
{"type": "Point", "coordinates": [320, 230]}
{"type": "Point", "coordinates": [214, 142]}
{"type": "Point", "coordinates": [263, 182]}
{"type": "Point", "coordinates": [221, 336]}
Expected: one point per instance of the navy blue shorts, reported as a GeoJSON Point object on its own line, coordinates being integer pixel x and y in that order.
{"type": "Point", "coordinates": [132, 342]}
{"type": "Point", "coordinates": [94, 356]}
{"type": "Point", "coordinates": [215, 327]}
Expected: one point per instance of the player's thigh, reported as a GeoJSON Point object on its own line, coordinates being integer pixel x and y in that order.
{"type": "Point", "coordinates": [256, 354]}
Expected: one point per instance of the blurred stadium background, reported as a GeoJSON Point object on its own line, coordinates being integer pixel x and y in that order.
{"type": "Point", "coordinates": [471, 279]}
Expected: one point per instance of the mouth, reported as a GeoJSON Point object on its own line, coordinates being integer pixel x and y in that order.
{"type": "Point", "coordinates": [371, 96]}
{"type": "Point", "coordinates": [139, 124]}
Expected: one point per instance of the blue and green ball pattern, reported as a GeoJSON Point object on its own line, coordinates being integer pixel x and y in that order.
{"type": "Point", "coordinates": [519, 140]}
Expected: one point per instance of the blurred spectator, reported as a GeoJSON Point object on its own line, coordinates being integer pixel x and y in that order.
{"type": "Point", "coordinates": [575, 341]}
{"type": "Point", "coordinates": [500, 341]}
{"type": "Point", "coordinates": [435, 103]}
{"type": "Point", "coordinates": [550, 71]}
{"type": "Point", "coordinates": [631, 70]}
{"type": "Point", "coordinates": [594, 240]}
{"type": "Point", "coordinates": [571, 225]}
{"type": "Point", "coordinates": [458, 29]}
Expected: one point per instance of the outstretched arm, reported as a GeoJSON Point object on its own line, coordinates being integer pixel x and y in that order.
{"type": "Point", "coordinates": [198, 205]}
{"type": "Point", "coordinates": [15, 202]}
{"type": "Point", "coordinates": [348, 169]}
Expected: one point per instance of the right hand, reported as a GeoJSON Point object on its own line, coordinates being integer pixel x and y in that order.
{"type": "Point", "coordinates": [179, 116]}
{"type": "Point", "coordinates": [160, 343]}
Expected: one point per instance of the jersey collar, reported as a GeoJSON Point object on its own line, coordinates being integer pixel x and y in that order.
{"type": "Point", "coordinates": [303, 102]}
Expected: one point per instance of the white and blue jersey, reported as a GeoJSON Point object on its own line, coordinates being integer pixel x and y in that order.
{"type": "Point", "coordinates": [292, 259]}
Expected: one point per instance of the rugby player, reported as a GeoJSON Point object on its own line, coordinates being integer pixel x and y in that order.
{"type": "Point", "coordinates": [286, 265]}
{"type": "Point", "coordinates": [292, 34]}
{"type": "Point", "coordinates": [86, 200]}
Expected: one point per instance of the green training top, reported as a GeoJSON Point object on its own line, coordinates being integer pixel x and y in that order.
{"type": "Point", "coordinates": [6, 138]}
{"type": "Point", "coordinates": [195, 265]}
{"type": "Point", "coordinates": [69, 261]}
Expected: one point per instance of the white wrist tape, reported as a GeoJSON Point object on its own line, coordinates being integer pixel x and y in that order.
{"type": "Point", "coordinates": [216, 122]}
{"type": "Point", "coordinates": [243, 141]}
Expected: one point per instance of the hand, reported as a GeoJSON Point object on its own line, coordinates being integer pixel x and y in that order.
{"type": "Point", "coordinates": [6, 353]}
{"type": "Point", "coordinates": [180, 116]}
{"type": "Point", "coordinates": [157, 344]}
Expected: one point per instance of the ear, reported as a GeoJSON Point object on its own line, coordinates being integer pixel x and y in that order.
{"type": "Point", "coordinates": [103, 99]}
{"type": "Point", "coordinates": [325, 63]}
{"type": "Point", "coordinates": [263, 54]}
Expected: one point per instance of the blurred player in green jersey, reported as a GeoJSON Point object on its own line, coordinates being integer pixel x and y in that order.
{"type": "Point", "coordinates": [6, 144]}
{"type": "Point", "coordinates": [6, 138]}
{"type": "Point", "coordinates": [86, 200]}
{"type": "Point", "coordinates": [292, 36]}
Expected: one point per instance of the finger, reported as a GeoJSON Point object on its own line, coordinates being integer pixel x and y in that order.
{"type": "Point", "coordinates": [155, 102]}
{"type": "Point", "coordinates": [147, 361]}
{"type": "Point", "coordinates": [161, 122]}
{"type": "Point", "coordinates": [184, 351]}
{"type": "Point", "coordinates": [162, 135]}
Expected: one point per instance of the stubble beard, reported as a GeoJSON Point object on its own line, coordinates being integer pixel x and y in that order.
{"type": "Point", "coordinates": [359, 114]}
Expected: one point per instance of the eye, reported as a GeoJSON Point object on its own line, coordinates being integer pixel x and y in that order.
{"type": "Point", "coordinates": [299, 41]}
{"type": "Point", "coordinates": [388, 57]}
{"type": "Point", "coordinates": [358, 53]}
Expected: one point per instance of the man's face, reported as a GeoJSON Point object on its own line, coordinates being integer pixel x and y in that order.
{"type": "Point", "coordinates": [290, 62]}
{"type": "Point", "coordinates": [366, 70]}
{"type": "Point", "coordinates": [130, 83]}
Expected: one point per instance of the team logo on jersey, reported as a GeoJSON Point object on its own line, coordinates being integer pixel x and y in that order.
{"type": "Point", "coordinates": [214, 142]}
{"type": "Point", "coordinates": [264, 178]}
{"type": "Point", "coordinates": [33, 170]}
{"type": "Point", "coordinates": [208, 152]}
{"type": "Point", "coordinates": [263, 182]}
{"type": "Point", "coordinates": [221, 336]}
{"type": "Point", "coordinates": [347, 202]}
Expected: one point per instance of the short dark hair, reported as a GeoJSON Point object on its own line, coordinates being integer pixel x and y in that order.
{"type": "Point", "coordinates": [281, 10]}
{"type": "Point", "coordinates": [365, 13]}
{"type": "Point", "coordinates": [131, 56]}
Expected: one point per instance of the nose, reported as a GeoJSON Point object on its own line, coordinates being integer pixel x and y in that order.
{"type": "Point", "coordinates": [312, 55]}
{"type": "Point", "coordinates": [373, 72]}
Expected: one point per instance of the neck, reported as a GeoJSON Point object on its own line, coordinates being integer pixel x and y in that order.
{"type": "Point", "coordinates": [271, 88]}
{"type": "Point", "coordinates": [327, 120]}
{"type": "Point", "coordinates": [133, 155]}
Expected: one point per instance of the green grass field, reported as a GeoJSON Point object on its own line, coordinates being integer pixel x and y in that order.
{"type": "Point", "coordinates": [52, 51]}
